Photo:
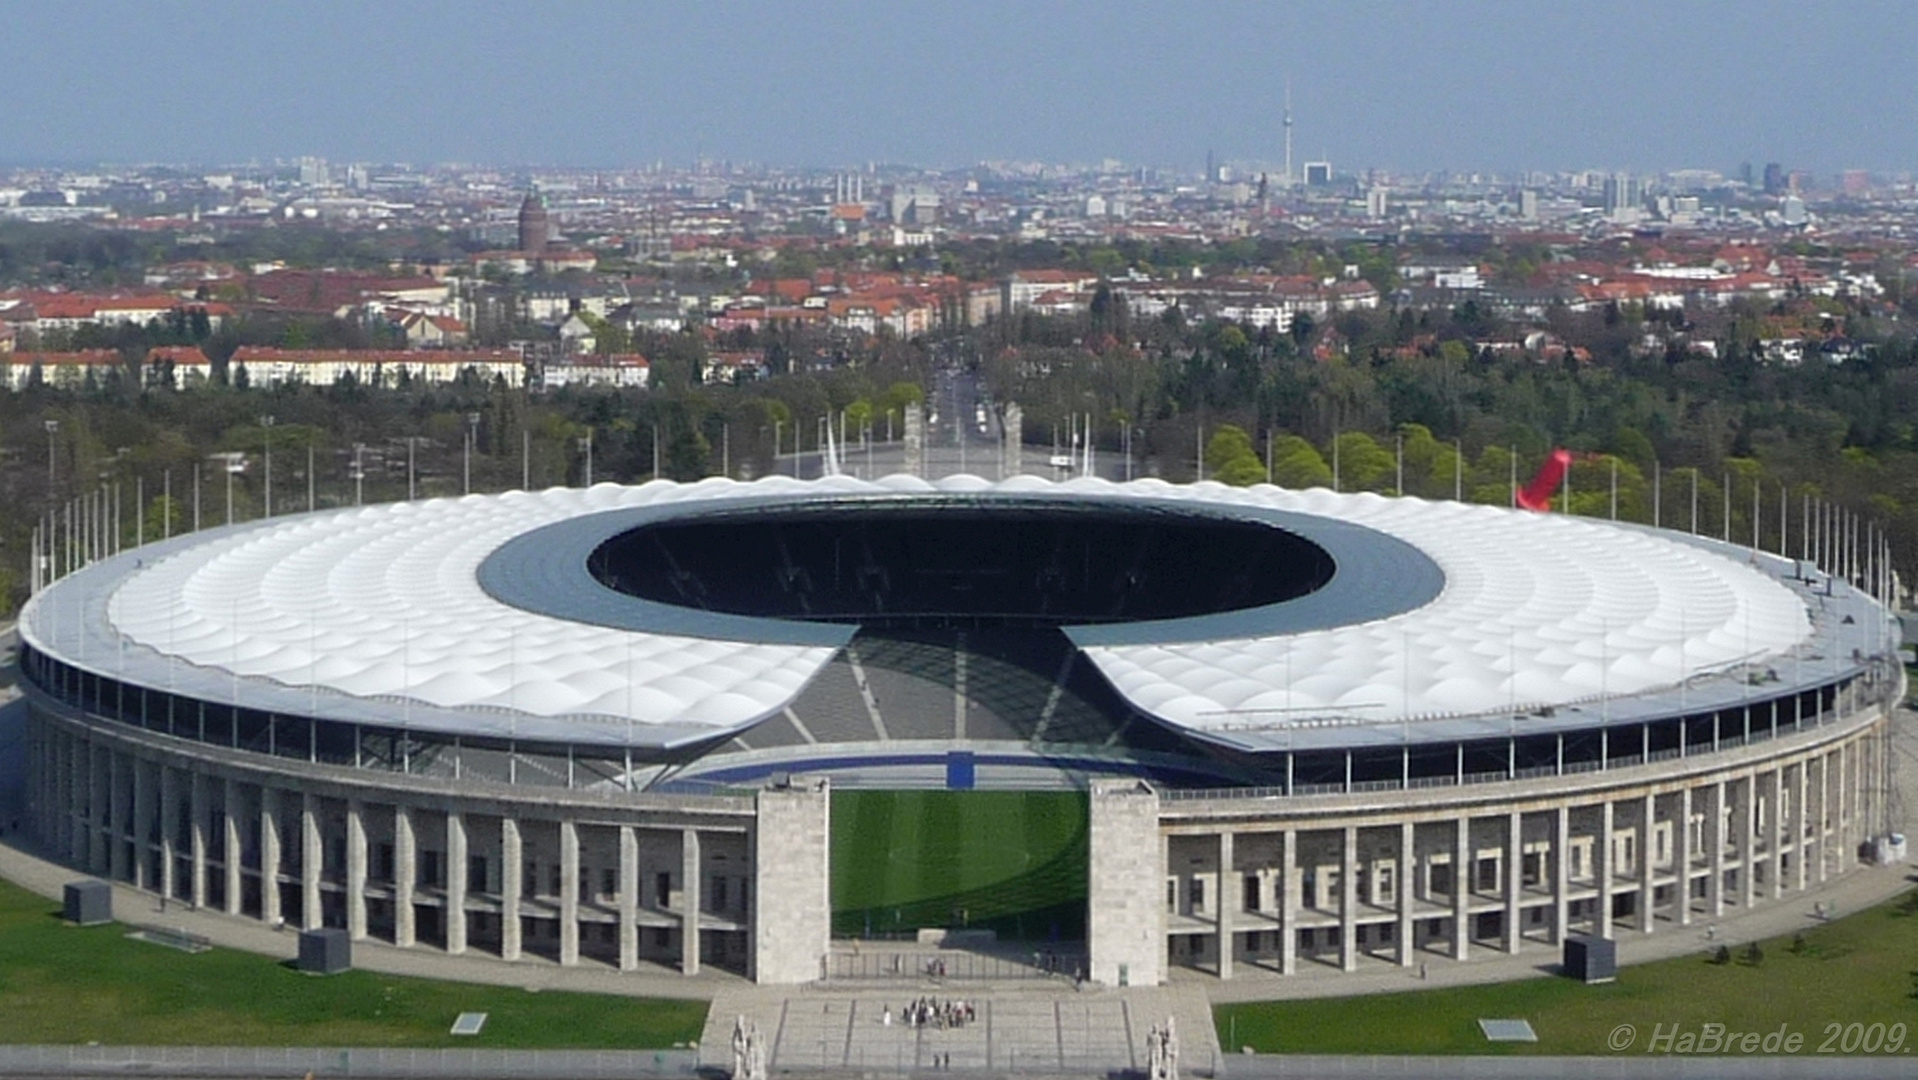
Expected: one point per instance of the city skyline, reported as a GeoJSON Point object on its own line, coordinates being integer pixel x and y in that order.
{"type": "Point", "coordinates": [1464, 87]}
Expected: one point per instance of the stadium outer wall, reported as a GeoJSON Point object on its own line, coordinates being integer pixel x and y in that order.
{"type": "Point", "coordinates": [1345, 879]}
{"type": "Point", "coordinates": [1286, 881]}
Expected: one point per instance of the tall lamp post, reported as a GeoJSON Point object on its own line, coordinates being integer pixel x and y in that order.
{"type": "Point", "coordinates": [53, 428]}
{"type": "Point", "coordinates": [266, 436]}
{"type": "Point", "coordinates": [472, 437]}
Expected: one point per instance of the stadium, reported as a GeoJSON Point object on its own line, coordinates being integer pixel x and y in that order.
{"type": "Point", "coordinates": [728, 724]}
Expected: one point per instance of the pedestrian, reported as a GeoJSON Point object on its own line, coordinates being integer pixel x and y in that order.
{"type": "Point", "coordinates": [1421, 971]}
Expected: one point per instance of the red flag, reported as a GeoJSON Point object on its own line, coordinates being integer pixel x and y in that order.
{"type": "Point", "coordinates": [1537, 495]}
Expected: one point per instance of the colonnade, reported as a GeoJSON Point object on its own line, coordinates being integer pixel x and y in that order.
{"type": "Point", "coordinates": [1458, 873]}
{"type": "Point", "coordinates": [670, 881]}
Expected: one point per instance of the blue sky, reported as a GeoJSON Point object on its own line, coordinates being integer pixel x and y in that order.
{"type": "Point", "coordinates": [1625, 84]}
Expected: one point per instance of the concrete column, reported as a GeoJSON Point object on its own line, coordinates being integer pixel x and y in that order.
{"type": "Point", "coordinates": [1603, 871]}
{"type": "Point", "coordinates": [1514, 879]}
{"type": "Point", "coordinates": [312, 862]}
{"type": "Point", "coordinates": [1715, 839]}
{"type": "Point", "coordinates": [568, 892]}
{"type": "Point", "coordinates": [116, 825]}
{"type": "Point", "coordinates": [116, 830]}
{"type": "Point", "coordinates": [1682, 859]}
{"type": "Point", "coordinates": [456, 861]}
{"type": "Point", "coordinates": [97, 788]}
{"type": "Point", "coordinates": [231, 807]}
{"type": "Point", "coordinates": [1747, 843]}
{"type": "Point", "coordinates": [406, 876]}
{"type": "Point", "coordinates": [1462, 889]}
{"type": "Point", "coordinates": [1349, 899]}
{"type": "Point", "coordinates": [270, 856]}
{"type": "Point", "coordinates": [1647, 863]}
{"type": "Point", "coordinates": [201, 825]}
{"type": "Point", "coordinates": [1561, 875]}
{"type": "Point", "coordinates": [1844, 801]}
{"type": "Point", "coordinates": [1407, 854]}
{"type": "Point", "coordinates": [689, 905]}
{"type": "Point", "coordinates": [169, 827]}
{"type": "Point", "coordinates": [1824, 816]}
{"type": "Point", "coordinates": [142, 824]}
{"type": "Point", "coordinates": [510, 870]}
{"type": "Point", "coordinates": [355, 870]}
{"type": "Point", "coordinates": [1775, 833]}
{"type": "Point", "coordinates": [792, 906]}
{"type": "Point", "coordinates": [1288, 903]}
{"type": "Point", "coordinates": [628, 899]}
{"type": "Point", "coordinates": [1801, 827]}
{"type": "Point", "coordinates": [1224, 904]}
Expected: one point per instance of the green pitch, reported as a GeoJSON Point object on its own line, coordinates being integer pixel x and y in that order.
{"type": "Point", "coordinates": [1012, 861]}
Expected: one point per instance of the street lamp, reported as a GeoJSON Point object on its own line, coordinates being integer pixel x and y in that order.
{"type": "Point", "coordinates": [266, 435]}
{"type": "Point", "coordinates": [359, 476]}
{"type": "Point", "coordinates": [410, 441]}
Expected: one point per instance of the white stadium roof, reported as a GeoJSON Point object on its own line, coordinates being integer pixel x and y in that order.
{"type": "Point", "coordinates": [383, 604]}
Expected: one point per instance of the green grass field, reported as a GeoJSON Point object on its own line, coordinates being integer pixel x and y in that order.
{"type": "Point", "coordinates": [1012, 861]}
{"type": "Point", "coordinates": [1863, 969]}
{"type": "Point", "coordinates": [64, 984]}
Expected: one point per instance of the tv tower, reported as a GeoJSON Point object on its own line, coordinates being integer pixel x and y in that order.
{"type": "Point", "coordinates": [1288, 133]}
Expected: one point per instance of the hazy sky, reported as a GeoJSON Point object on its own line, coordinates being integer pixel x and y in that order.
{"type": "Point", "coordinates": [1621, 84]}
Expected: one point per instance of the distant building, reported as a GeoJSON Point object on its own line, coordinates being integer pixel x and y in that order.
{"type": "Point", "coordinates": [1318, 174]}
{"type": "Point", "coordinates": [1775, 181]}
{"type": "Point", "coordinates": [535, 231]}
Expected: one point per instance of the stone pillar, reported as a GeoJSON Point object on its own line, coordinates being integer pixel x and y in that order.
{"type": "Point", "coordinates": [1225, 903]}
{"type": "Point", "coordinates": [1715, 837]}
{"type": "Point", "coordinates": [201, 824]}
{"type": "Point", "coordinates": [312, 862]}
{"type": "Point", "coordinates": [116, 825]}
{"type": "Point", "coordinates": [1562, 875]}
{"type": "Point", "coordinates": [569, 892]}
{"type": "Point", "coordinates": [1647, 842]}
{"type": "Point", "coordinates": [1747, 844]}
{"type": "Point", "coordinates": [792, 891]}
{"type": "Point", "coordinates": [1408, 854]}
{"type": "Point", "coordinates": [510, 871]}
{"type": "Point", "coordinates": [1514, 879]}
{"type": "Point", "coordinates": [97, 808]}
{"type": "Point", "coordinates": [1349, 899]}
{"type": "Point", "coordinates": [1775, 833]}
{"type": "Point", "coordinates": [355, 869]}
{"type": "Point", "coordinates": [1801, 828]}
{"type": "Point", "coordinates": [1289, 888]}
{"type": "Point", "coordinates": [1462, 888]}
{"type": "Point", "coordinates": [456, 870]}
{"type": "Point", "coordinates": [1824, 816]}
{"type": "Point", "coordinates": [1843, 844]}
{"type": "Point", "coordinates": [406, 876]}
{"type": "Point", "coordinates": [629, 899]}
{"type": "Point", "coordinates": [169, 828]}
{"type": "Point", "coordinates": [270, 856]}
{"type": "Point", "coordinates": [1682, 859]}
{"type": "Point", "coordinates": [1603, 871]}
{"type": "Point", "coordinates": [689, 902]}
{"type": "Point", "coordinates": [230, 803]}
{"type": "Point", "coordinates": [142, 824]}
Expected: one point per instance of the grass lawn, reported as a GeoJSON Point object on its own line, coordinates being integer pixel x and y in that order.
{"type": "Point", "coordinates": [1011, 860]}
{"type": "Point", "coordinates": [64, 984]}
{"type": "Point", "coordinates": [1863, 969]}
